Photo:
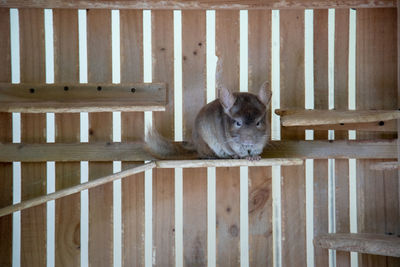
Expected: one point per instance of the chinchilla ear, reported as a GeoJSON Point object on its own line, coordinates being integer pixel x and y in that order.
{"type": "Point", "coordinates": [265, 94]}
{"type": "Point", "coordinates": [226, 98]}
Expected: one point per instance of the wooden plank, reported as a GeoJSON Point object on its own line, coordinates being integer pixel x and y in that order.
{"type": "Point", "coordinates": [76, 189]}
{"type": "Point", "coordinates": [163, 180]}
{"type": "Point", "coordinates": [33, 175]}
{"type": "Point", "coordinates": [67, 213]}
{"type": "Point", "coordinates": [225, 163]}
{"type": "Point", "coordinates": [132, 128]}
{"type": "Point", "coordinates": [379, 126]}
{"type": "Point", "coordinates": [198, 4]}
{"type": "Point", "coordinates": [386, 245]}
{"type": "Point", "coordinates": [376, 49]}
{"type": "Point", "coordinates": [6, 176]}
{"type": "Point", "coordinates": [228, 180]}
{"type": "Point", "coordinates": [75, 97]}
{"type": "Point", "coordinates": [100, 151]}
{"type": "Point", "coordinates": [385, 165]}
{"type": "Point", "coordinates": [100, 129]}
{"type": "Point", "coordinates": [260, 178]}
{"type": "Point", "coordinates": [194, 98]}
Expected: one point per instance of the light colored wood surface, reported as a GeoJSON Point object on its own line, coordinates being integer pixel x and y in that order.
{"type": "Point", "coordinates": [100, 129]}
{"type": "Point", "coordinates": [226, 163]}
{"type": "Point", "coordinates": [6, 176]}
{"type": "Point", "coordinates": [260, 178]}
{"type": "Point", "coordinates": [33, 175]}
{"type": "Point", "coordinates": [378, 244]}
{"type": "Point", "coordinates": [75, 97]}
{"type": "Point", "coordinates": [321, 117]}
{"type": "Point", "coordinates": [292, 96]}
{"type": "Point", "coordinates": [376, 89]}
{"type": "Point", "coordinates": [67, 129]}
{"type": "Point", "coordinates": [377, 126]}
{"type": "Point", "coordinates": [227, 180]}
{"type": "Point", "coordinates": [164, 180]}
{"type": "Point", "coordinates": [132, 124]}
{"type": "Point", "coordinates": [98, 181]}
{"type": "Point", "coordinates": [385, 165]}
{"type": "Point", "coordinates": [199, 4]}
{"type": "Point", "coordinates": [194, 98]}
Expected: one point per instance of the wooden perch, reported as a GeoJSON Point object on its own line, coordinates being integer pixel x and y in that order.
{"type": "Point", "coordinates": [378, 244]}
{"type": "Point", "coordinates": [385, 166]}
{"type": "Point", "coordinates": [75, 189]}
{"type": "Point", "coordinates": [325, 117]}
{"type": "Point", "coordinates": [226, 163]}
{"type": "Point", "coordinates": [40, 98]}
{"type": "Point", "coordinates": [378, 149]}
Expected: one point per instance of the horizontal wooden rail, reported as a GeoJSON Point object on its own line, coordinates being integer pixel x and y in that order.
{"type": "Point", "coordinates": [40, 98]}
{"type": "Point", "coordinates": [226, 163]}
{"type": "Point", "coordinates": [378, 244]}
{"type": "Point", "coordinates": [376, 126]}
{"type": "Point", "coordinates": [385, 166]}
{"type": "Point", "coordinates": [377, 149]}
{"type": "Point", "coordinates": [198, 4]}
{"type": "Point", "coordinates": [325, 117]}
{"type": "Point", "coordinates": [75, 189]}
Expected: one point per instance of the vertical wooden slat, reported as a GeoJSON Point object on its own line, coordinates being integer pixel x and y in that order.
{"type": "Point", "coordinates": [260, 178]}
{"type": "Point", "coordinates": [341, 63]}
{"type": "Point", "coordinates": [377, 191]}
{"type": "Point", "coordinates": [66, 58]}
{"type": "Point", "coordinates": [163, 179]}
{"type": "Point", "coordinates": [33, 126]}
{"type": "Point", "coordinates": [132, 123]}
{"type": "Point", "coordinates": [6, 176]}
{"type": "Point", "coordinates": [320, 102]}
{"type": "Point", "coordinates": [292, 96]}
{"type": "Point", "coordinates": [100, 129]}
{"type": "Point", "coordinates": [194, 97]}
{"type": "Point", "coordinates": [227, 179]}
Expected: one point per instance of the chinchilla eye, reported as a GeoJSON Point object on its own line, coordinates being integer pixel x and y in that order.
{"type": "Point", "coordinates": [238, 123]}
{"type": "Point", "coordinates": [258, 123]}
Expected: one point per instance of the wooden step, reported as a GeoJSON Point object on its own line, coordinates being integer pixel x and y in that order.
{"type": "Point", "coordinates": [378, 244]}
{"type": "Point", "coordinates": [40, 98]}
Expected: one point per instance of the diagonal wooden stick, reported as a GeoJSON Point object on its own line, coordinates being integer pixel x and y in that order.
{"type": "Point", "coordinates": [75, 189]}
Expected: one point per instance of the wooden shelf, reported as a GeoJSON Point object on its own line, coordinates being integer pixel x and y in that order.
{"type": "Point", "coordinates": [227, 163]}
{"type": "Point", "coordinates": [385, 166]}
{"type": "Point", "coordinates": [340, 120]}
{"type": "Point", "coordinates": [377, 149]}
{"type": "Point", "coordinates": [40, 98]}
{"type": "Point", "coordinates": [378, 244]}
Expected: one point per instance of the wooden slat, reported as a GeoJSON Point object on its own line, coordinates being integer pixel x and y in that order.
{"type": "Point", "coordinates": [198, 4]}
{"type": "Point", "coordinates": [225, 163]}
{"type": "Point", "coordinates": [100, 129]}
{"type": "Point", "coordinates": [73, 97]}
{"type": "Point", "coordinates": [163, 180]}
{"type": "Point", "coordinates": [292, 96]}
{"type": "Point", "coordinates": [33, 175]}
{"type": "Point", "coordinates": [6, 176]}
{"type": "Point", "coordinates": [194, 97]}
{"type": "Point", "coordinates": [385, 165]}
{"type": "Point", "coordinates": [67, 213]}
{"type": "Point", "coordinates": [376, 48]}
{"type": "Point", "coordinates": [132, 124]}
{"type": "Point", "coordinates": [227, 179]}
{"type": "Point", "coordinates": [260, 178]}
{"type": "Point", "coordinates": [386, 245]}
{"type": "Point", "coordinates": [100, 151]}
{"type": "Point", "coordinates": [378, 126]}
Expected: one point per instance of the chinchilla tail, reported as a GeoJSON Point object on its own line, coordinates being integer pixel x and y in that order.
{"type": "Point", "coordinates": [163, 148]}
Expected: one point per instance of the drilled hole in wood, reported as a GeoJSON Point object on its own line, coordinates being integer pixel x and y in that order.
{"type": "Point", "coordinates": [381, 123]}
{"type": "Point", "coordinates": [133, 90]}
{"type": "Point", "coordinates": [99, 88]}
{"type": "Point", "coordinates": [66, 88]}
{"type": "Point", "coordinates": [32, 90]}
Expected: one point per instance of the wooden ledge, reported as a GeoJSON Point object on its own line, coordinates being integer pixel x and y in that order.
{"type": "Point", "coordinates": [335, 117]}
{"type": "Point", "coordinates": [385, 166]}
{"type": "Point", "coordinates": [378, 244]}
{"type": "Point", "coordinates": [40, 98]}
{"type": "Point", "coordinates": [226, 163]}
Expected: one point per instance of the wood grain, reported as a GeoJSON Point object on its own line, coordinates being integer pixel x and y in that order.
{"type": "Point", "coordinates": [6, 176]}
{"type": "Point", "coordinates": [292, 96]}
{"type": "Point", "coordinates": [198, 4]}
{"type": "Point", "coordinates": [260, 192]}
{"type": "Point", "coordinates": [33, 175]}
{"type": "Point", "coordinates": [194, 98]}
{"type": "Point", "coordinates": [132, 128]}
{"type": "Point", "coordinates": [67, 213]}
{"type": "Point", "coordinates": [164, 180]}
{"type": "Point", "coordinates": [100, 129]}
{"type": "Point", "coordinates": [376, 48]}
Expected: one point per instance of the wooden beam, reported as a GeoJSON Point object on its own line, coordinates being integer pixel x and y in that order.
{"type": "Point", "coordinates": [384, 166]}
{"type": "Point", "coordinates": [378, 149]}
{"type": "Point", "coordinates": [378, 244]}
{"type": "Point", "coordinates": [226, 163]}
{"type": "Point", "coordinates": [197, 4]}
{"type": "Point", "coordinates": [378, 126]}
{"type": "Point", "coordinates": [75, 189]}
{"type": "Point", "coordinates": [65, 97]}
{"type": "Point", "coordinates": [325, 117]}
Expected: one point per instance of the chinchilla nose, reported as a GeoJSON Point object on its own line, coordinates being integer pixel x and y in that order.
{"type": "Point", "coordinates": [248, 140]}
